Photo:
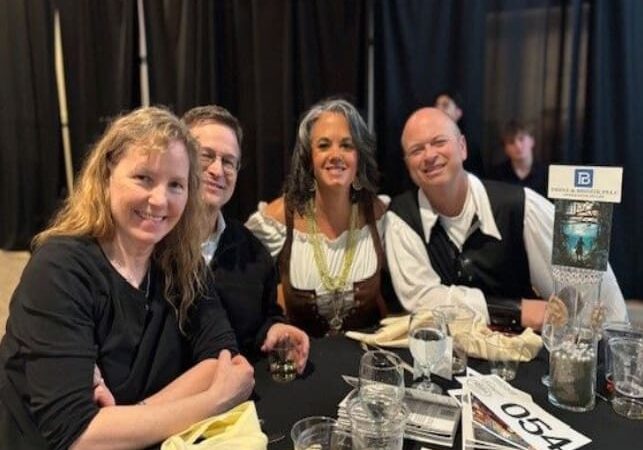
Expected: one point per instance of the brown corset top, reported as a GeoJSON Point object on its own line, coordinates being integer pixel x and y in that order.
{"type": "Point", "coordinates": [313, 313]}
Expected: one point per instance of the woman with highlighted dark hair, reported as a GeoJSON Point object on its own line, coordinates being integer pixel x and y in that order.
{"type": "Point", "coordinates": [326, 229]}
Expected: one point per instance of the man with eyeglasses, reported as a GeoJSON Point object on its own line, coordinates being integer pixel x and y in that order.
{"type": "Point", "coordinates": [459, 240]}
{"type": "Point", "coordinates": [245, 276]}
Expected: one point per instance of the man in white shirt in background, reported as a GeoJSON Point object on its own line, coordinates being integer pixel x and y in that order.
{"type": "Point", "coordinates": [458, 239]}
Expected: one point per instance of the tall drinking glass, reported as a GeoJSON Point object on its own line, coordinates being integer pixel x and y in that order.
{"type": "Point", "coordinates": [459, 322]}
{"type": "Point", "coordinates": [560, 314]}
{"type": "Point", "coordinates": [381, 383]}
{"type": "Point", "coordinates": [554, 326]}
{"type": "Point", "coordinates": [427, 342]}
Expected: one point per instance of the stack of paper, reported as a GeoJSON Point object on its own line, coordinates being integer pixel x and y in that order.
{"type": "Point", "coordinates": [432, 419]}
{"type": "Point", "coordinates": [497, 416]}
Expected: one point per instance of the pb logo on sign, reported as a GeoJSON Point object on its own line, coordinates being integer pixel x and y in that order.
{"type": "Point", "coordinates": [584, 178]}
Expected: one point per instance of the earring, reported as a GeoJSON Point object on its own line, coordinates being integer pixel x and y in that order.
{"type": "Point", "coordinates": [356, 184]}
{"type": "Point", "coordinates": [313, 186]}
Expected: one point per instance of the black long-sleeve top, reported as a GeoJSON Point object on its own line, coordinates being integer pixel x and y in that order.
{"type": "Point", "coordinates": [245, 277]}
{"type": "Point", "coordinates": [72, 310]}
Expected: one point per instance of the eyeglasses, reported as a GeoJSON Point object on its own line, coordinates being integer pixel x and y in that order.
{"type": "Point", "coordinates": [418, 150]}
{"type": "Point", "coordinates": [230, 164]}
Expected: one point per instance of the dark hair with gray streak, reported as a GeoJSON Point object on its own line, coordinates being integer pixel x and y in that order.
{"type": "Point", "coordinates": [301, 180]}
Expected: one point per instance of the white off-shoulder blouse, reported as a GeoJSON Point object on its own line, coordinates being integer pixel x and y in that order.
{"type": "Point", "coordinates": [303, 270]}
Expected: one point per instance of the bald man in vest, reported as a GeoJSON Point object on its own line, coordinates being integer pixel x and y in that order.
{"type": "Point", "coordinates": [456, 239]}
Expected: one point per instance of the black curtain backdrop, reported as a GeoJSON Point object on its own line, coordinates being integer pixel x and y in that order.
{"type": "Point", "coordinates": [613, 132]}
{"type": "Point", "coordinates": [31, 157]}
{"type": "Point", "coordinates": [100, 51]}
{"type": "Point", "coordinates": [422, 48]}
{"type": "Point", "coordinates": [571, 66]}
{"type": "Point", "coordinates": [530, 60]}
{"type": "Point", "coordinates": [264, 61]}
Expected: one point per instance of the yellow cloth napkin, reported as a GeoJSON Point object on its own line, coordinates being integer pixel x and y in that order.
{"type": "Point", "coordinates": [237, 428]}
{"type": "Point", "coordinates": [394, 330]}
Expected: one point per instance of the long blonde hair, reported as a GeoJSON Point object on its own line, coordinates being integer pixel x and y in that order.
{"type": "Point", "coordinates": [86, 212]}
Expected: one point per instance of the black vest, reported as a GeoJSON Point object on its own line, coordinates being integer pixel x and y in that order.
{"type": "Point", "coordinates": [498, 268]}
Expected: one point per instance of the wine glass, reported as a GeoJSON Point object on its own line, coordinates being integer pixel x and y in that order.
{"type": "Point", "coordinates": [427, 342]}
{"type": "Point", "coordinates": [381, 383]}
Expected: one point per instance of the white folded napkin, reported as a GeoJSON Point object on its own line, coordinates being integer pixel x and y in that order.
{"type": "Point", "coordinates": [394, 333]}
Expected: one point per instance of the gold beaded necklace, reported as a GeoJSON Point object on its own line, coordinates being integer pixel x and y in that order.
{"type": "Point", "coordinates": [330, 283]}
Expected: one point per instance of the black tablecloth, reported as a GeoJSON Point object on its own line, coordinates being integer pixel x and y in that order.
{"type": "Point", "coordinates": [321, 388]}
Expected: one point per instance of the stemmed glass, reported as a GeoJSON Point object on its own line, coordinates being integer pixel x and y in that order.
{"type": "Point", "coordinates": [427, 342]}
{"type": "Point", "coordinates": [381, 383]}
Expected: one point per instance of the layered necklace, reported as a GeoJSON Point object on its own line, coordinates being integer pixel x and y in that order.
{"type": "Point", "coordinates": [335, 285]}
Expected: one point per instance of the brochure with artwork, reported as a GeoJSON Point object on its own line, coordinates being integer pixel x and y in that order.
{"type": "Point", "coordinates": [582, 234]}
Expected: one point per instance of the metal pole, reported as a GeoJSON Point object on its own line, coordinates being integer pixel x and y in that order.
{"type": "Point", "coordinates": [62, 102]}
{"type": "Point", "coordinates": [142, 55]}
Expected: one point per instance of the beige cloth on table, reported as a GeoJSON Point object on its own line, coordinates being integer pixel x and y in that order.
{"type": "Point", "coordinates": [237, 428]}
{"type": "Point", "coordinates": [394, 330]}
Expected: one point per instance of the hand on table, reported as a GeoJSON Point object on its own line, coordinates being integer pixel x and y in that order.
{"type": "Point", "coordinates": [299, 339]}
{"type": "Point", "coordinates": [233, 380]}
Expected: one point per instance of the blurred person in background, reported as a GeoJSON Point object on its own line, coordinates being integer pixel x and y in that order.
{"type": "Point", "coordinates": [520, 167]}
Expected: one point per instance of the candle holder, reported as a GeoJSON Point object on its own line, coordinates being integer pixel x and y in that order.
{"type": "Point", "coordinates": [572, 371]}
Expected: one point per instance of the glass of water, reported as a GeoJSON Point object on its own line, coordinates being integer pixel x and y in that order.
{"type": "Point", "coordinates": [381, 383]}
{"type": "Point", "coordinates": [459, 322]}
{"type": "Point", "coordinates": [427, 342]}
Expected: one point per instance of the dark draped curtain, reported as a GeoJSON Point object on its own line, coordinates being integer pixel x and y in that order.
{"type": "Point", "coordinates": [100, 51]}
{"type": "Point", "coordinates": [571, 67]}
{"type": "Point", "coordinates": [186, 53]}
{"type": "Point", "coordinates": [31, 158]}
{"type": "Point", "coordinates": [422, 48]}
{"type": "Point", "coordinates": [535, 65]}
{"type": "Point", "coordinates": [264, 61]}
{"type": "Point", "coordinates": [613, 133]}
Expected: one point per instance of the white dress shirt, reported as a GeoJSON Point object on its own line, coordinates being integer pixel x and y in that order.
{"type": "Point", "coordinates": [416, 282]}
{"type": "Point", "coordinates": [212, 242]}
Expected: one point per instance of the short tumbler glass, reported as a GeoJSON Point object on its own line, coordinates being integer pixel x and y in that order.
{"type": "Point", "coordinates": [627, 363]}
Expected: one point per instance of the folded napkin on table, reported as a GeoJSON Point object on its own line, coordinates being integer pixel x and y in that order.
{"type": "Point", "coordinates": [394, 330]}
{"type": "Point", "coordinates": [392, 333]}
{"type": "Point", "coordinates": [237, 428]}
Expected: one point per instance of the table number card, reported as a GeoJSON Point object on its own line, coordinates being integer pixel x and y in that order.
{"type": "Point", "coordinates": [519, 421]}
